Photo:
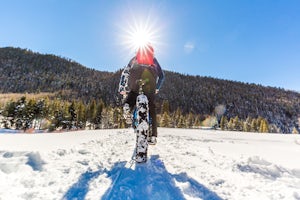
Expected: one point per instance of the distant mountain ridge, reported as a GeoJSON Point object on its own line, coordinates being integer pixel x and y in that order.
{"type": "Point", "coordinates": [23, 71]}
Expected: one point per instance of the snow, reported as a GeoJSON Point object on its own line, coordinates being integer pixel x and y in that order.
{"type": "Point", "coordinates": [185, 164]}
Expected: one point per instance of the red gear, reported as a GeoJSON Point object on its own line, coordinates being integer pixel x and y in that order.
{"type": "Point", "coordinates": [145, 55]}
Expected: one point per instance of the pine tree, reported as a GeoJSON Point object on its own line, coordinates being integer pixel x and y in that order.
{"type": "Point", "coordinates": [20, 111]}
{"type": "Point", "coordinates": [247, 124]}
{"type": "Point", "coordinates": [46, 108]}
{"type": "Point", "coordinates": [65, 115]}
{"type": "Point", "coordinates": [197, 122]}
{"type": "Point", "coordinates": [92, 112]}
{"type": "Point", "coordinates": [9, 114]}
{"type": "Point", "coordinates": [259, 121]}
{"type": "Point", "coordinates": [254, 127]}
{"type": "Point", "coordinates": [176, 117]}
{"type": "Point", "coordinates": [181, 122]}
{"type": "Point", "coordinates": [81, 115]}
{"type": "Point", "coordinates": [40, 111]}
{"type": "Point", "coordinates": [29, 114]}
{"type": "Point", "coordinates": [73, 116]}
{"type": "Point", "coordinates": [237, 125]}
{"type": "Point", "coordinates": [117, 119]}
{"type": "Point", "coordinates": [165, 107]}
{"type": "Point", "coordinates": [264, 127]}
{"type": "Point", "coordinates": [189, 120]}
{"type": "Point", "coordinates": [223, 123]}
{"type": "Point", "coordinates": [165, 120]}
{"type": "Point", "coordinates": [295, 131]}
{"type": "Point", "coordinates": [98, 119]}
{"type": "Point", "coordinates": [231, 125]}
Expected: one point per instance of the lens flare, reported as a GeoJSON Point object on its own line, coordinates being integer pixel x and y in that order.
{"type": "Point", "coordinates": [140, 34]}
{"type": "Point", "coordinates": [140, 38]}
{"type": "Point", "coordinates": [138, 31]}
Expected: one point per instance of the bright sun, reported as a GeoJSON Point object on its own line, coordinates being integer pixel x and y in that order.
{"type": "Point", "coordinates": [140, 38]}
{"type": "Point", "coordinates": [139, 32]}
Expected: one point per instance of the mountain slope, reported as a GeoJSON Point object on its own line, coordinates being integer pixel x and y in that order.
{"type": "Point", "coordinates": [185, 164]}
{"type": "Point", "coordinates": [25, 71]}
{"type": "Point", "coordinates": [204, 95]}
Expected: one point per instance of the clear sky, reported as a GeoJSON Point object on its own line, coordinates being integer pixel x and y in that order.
{"type": "Point", "coordinates": [253, 41]}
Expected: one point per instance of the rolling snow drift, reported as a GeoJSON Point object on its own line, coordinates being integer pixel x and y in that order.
{"type": "Point", "coordinates": [185, 164]}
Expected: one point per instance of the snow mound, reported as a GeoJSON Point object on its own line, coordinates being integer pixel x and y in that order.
{"type": "Point", "coordinates": [266, 169]}
{"type": "Point", "coordinates": [14, 162]}
{"type": "Point", "coordinates": [35, 161]}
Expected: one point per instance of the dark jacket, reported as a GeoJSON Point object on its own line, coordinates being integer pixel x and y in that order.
{"type": "Point", "coordinates": [153, 76]}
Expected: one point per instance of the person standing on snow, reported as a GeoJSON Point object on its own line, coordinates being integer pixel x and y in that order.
{"type": "Point", "coordinates": [146, 67]}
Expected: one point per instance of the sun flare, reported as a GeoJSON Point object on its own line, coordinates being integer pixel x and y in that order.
{"type": "Point", "coordinates": [138, 36]}
{"type": "Point", "coordinates": [140, 32]}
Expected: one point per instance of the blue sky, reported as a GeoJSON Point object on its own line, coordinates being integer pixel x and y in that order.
{"type": "Point", "coordinates": [253, 41]}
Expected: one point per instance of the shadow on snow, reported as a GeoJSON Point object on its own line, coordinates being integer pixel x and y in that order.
{"type": "Point", "coordinates": [81, 187]}
{"type": "Point", "coordinates": [142, 181]}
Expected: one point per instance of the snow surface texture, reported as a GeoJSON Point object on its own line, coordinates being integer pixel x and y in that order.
{"type": "Point", "coordinates": [185, 164]}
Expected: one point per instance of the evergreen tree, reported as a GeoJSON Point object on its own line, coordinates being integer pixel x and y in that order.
{"type": "Point", "coordinates": [189, 120]}
{"type": "Point", "coordinates": [264, 127]}
{"type": "Point", "coordinates": [81, 116]}
{"type": "Point", "coordinates": [117, 118]}
{"type": "Point", "coordinates": [254, 126]}
{"type": "Point", "coordinates": [181, 122]}
{"type": "Point", "coordinates": [247, 124]}
{"type": "Point", "coordinates": [40, 111]}
{"type": "Point", "coordinates": [105, 118]}
{"type": "Point", "coordinates": [9, 114]}
{"type": "Point", "coordinates": [223, 123]}
{"type": "Point", "coordinates": [237, 125]}
{"type": "Point", "coordinates": [92, 112]}
{"type": "Point", "coordinates": [259, 121]}
{"type": "Point", "coordinates": [295, 131]}
{"type": "Point", "coordinates": [98, 117]}
{"type": "Point", "coordinates": [165, 107]}
{"type": "Point", "coordinates": [73, 116]}
{"type": "Point", "coordinates": [176, 117]}
{"type": "Point", "coordinates": [29, 114]}
{"type": "Point", "coordinates": [46, 109]}
{"type": "Point", "coordinates": [197, 122]}
{"type": "Point", "coordinates": [20, 111]}
{"type": "Point", "coordinates": [165, 120]}
{"type": "Point", "coordinates": [231, 124]}
{"type": "Point", "coordinates": [57, 120]}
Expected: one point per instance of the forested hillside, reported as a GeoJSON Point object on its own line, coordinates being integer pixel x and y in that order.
{"type": "Point", "coordinates": [206, 95]}
{"type": "Point", "coordinates": [25, 71]}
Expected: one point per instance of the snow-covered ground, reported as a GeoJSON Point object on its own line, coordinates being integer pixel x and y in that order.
{"type": "Point", "coordinates": [185, 164]}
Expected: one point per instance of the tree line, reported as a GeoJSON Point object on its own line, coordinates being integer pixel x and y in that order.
{"type": "Point", "coordinates": [215, 121]}
{"type": "Point", "coordinates": [56, 114]}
